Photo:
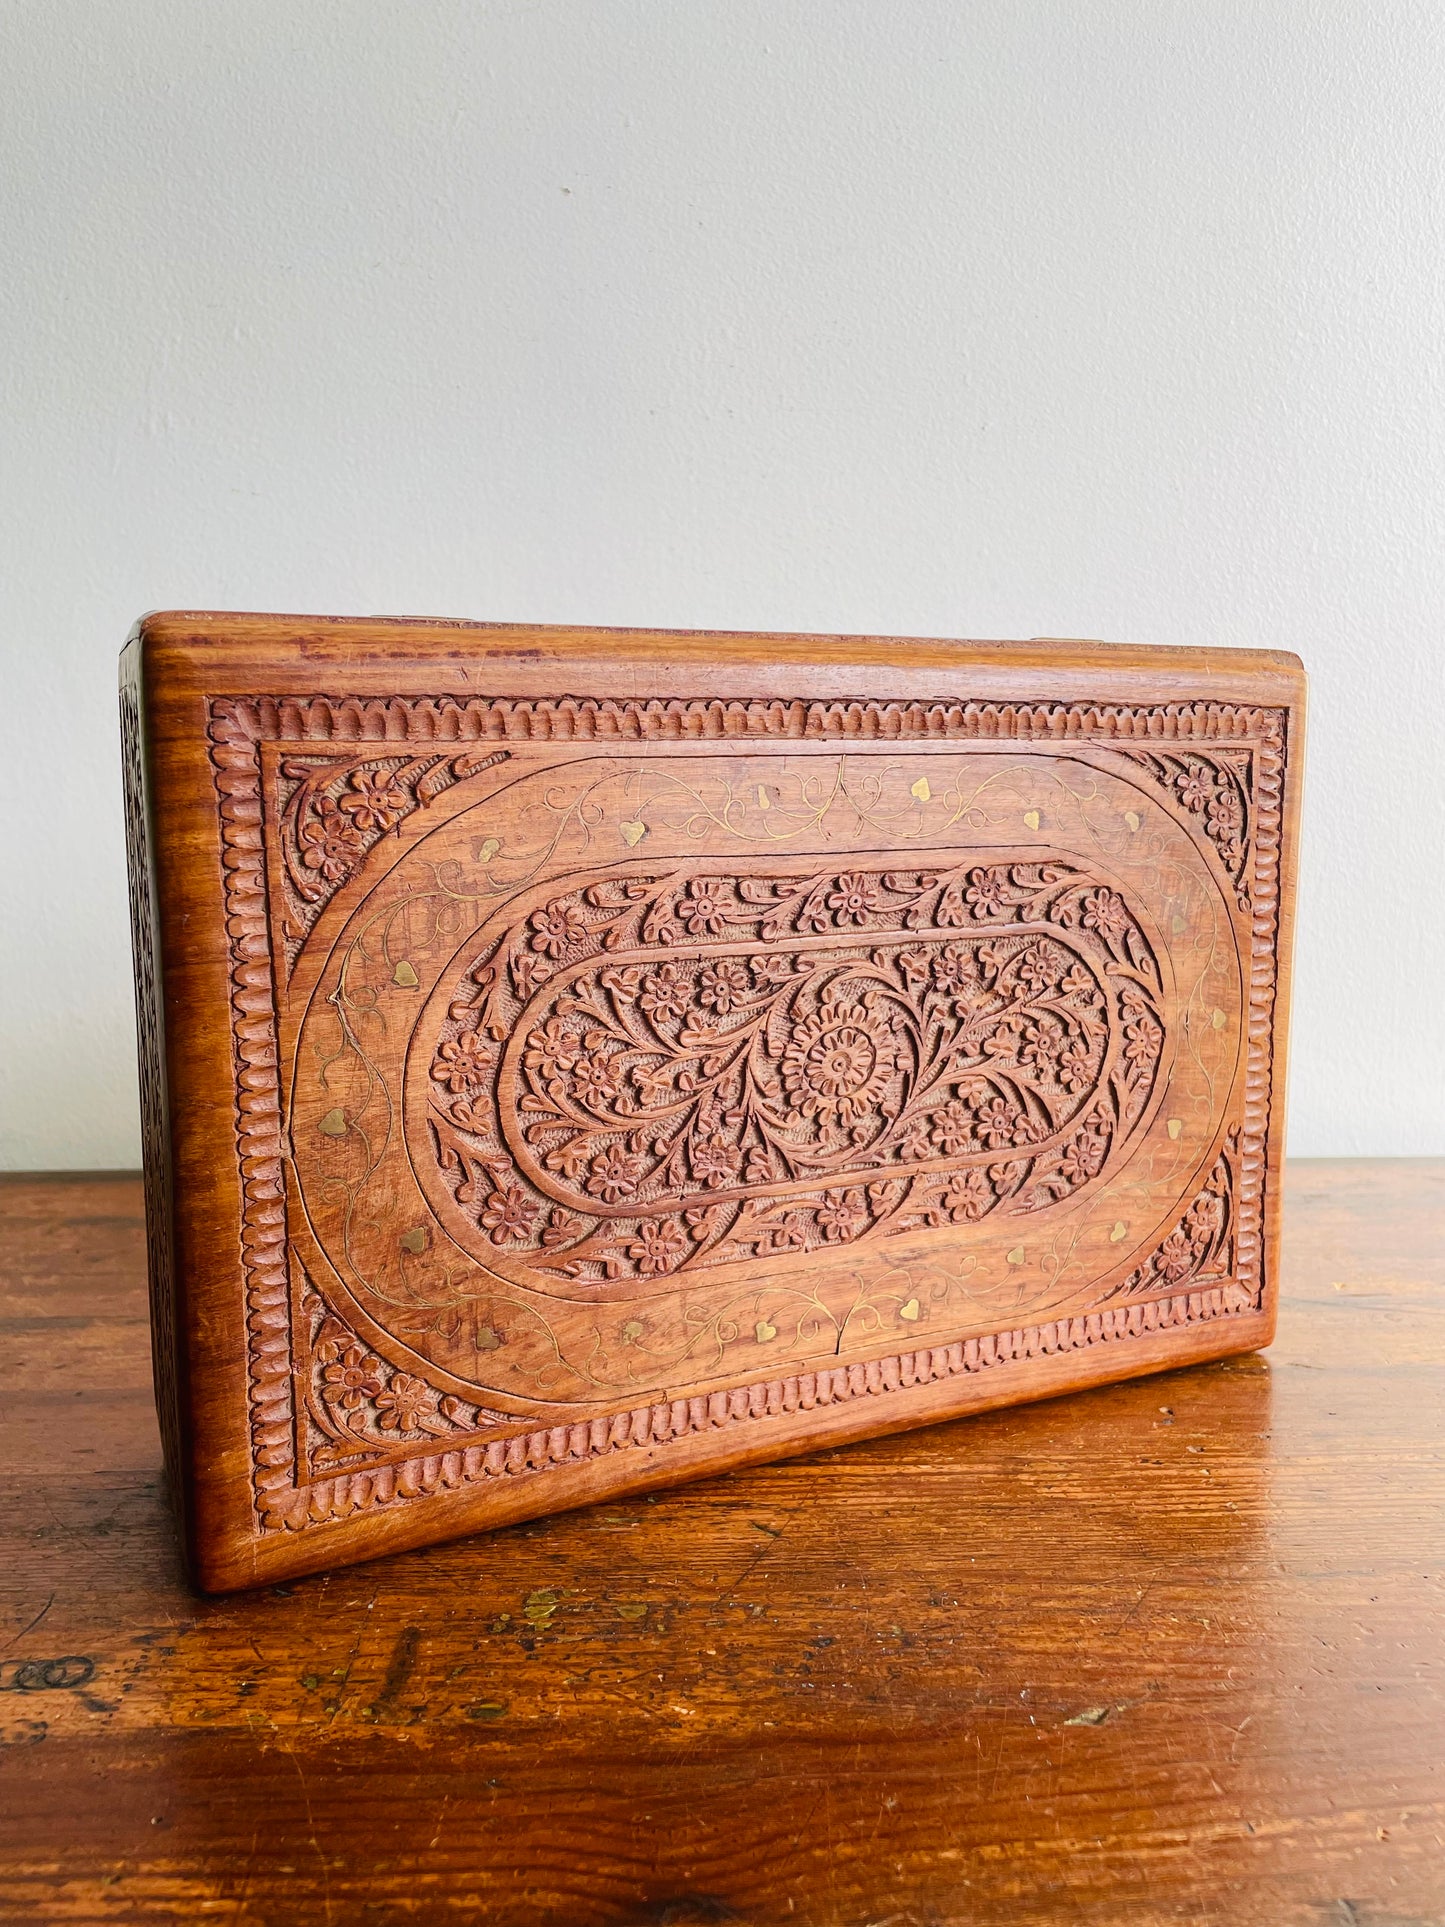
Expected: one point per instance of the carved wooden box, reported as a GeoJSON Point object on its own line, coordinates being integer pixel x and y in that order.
{"type": "Point", "coordinates": [574, 1061]}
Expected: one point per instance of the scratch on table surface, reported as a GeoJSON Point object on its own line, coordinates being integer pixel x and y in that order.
{"type": "Point", "coordinates": [441, 1815]}
{"type": "Point", "coordinates": [1144, 1592]}
{"type": "Point", "coordinates": [343, 1678]}
{"type": "Point", "coordinates": [312, 1840]}
{"type": "Point", "coordinates": [774, 1540]}
{"type": "Point", "coordinates": [33, 1624]}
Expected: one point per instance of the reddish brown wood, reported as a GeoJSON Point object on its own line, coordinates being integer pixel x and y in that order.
{"type": "Point", "coordinates": [1167, 1652]}
{"type": "Point", "coordinates": [579, 1061]}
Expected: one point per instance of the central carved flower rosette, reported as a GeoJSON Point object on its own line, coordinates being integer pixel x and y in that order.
{"type": "Point", "coordinates": [658, 1074]}
{"type": "Point", "coordinates": [838, 1059]}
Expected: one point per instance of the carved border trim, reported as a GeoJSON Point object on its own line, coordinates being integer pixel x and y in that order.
{"type": "Point", "coordinates": [239, 724]}
{"type": "Point", "coordinates": [258, 1124]}
{"type": "Point", "coordinates": [446, 719]}
{"type": "Point", "coordinates": [649, 1425]}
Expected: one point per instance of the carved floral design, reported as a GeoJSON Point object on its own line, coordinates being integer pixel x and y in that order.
{"type": "Point", "coordinates": [1214, 792]}
{"type": "Point", "coordinates": [1200, 1247]}
{"type": "Point", "coordinates": [358, 1403]}
{"type": "Point", "coordinates": [334, 812]}
{"type": "Point", "coordinates": [839, 1059]}
{"type": "Point", "coordinates": [330, 844]}
{"type": "Point", "coordinates": [708, 1068]}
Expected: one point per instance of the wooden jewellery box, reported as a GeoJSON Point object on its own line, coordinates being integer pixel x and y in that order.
{"type": "Point", "coordinates": [574, 1061]}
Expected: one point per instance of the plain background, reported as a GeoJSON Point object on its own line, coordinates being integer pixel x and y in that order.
{"type": "Point", "coordinates": [1119, 320]}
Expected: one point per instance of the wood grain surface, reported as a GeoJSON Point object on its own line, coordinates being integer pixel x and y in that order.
{"type": "Point", "coordinates": [1168, 1651]}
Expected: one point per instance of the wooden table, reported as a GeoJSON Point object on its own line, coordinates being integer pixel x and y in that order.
{"type": "Point", "coordinates": [1169, 1651]}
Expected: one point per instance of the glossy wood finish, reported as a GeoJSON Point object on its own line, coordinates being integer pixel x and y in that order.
{"type": "Point", "coordinates": [1168, 1651]}
{"type": "Point", "coordinates": [578, 1061]}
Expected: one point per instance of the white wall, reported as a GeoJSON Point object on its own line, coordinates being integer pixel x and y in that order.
{"type": "Point", "coordinates": [1068, 317]}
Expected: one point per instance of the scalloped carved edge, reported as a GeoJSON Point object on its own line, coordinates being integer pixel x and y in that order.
{"type": "Point", "coordinates": [258, 1126]}
{"type": "Point", "coordinates": [239, 724]}
{"type": "Point", "coordinates": [566, 719]}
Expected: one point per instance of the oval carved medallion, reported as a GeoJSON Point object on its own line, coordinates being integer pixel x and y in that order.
{"type": "Point", "coordinates": [666, 1071]}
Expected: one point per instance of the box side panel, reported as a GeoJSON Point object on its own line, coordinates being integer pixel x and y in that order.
{"type": "Point", "coordinates": [166, 1310]}
{"type": "Point", "coordinates": [1291, 808]}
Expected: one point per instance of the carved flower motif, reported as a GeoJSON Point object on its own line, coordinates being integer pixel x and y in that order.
{"type": "Point", "coordinates": [954, 968]}
{"type": "Point", "coordinates": [843, 1217]}
{"type": "Point", "coordinates": [1084, 1155]}
{"type": "Point", "coordinates": [330, 844]}
{"type": "Point", "coordinates": [1194, 786]}
{"type": "Point", "coordinates": [704, 909]}
{"type": "Point", "coordinates": [1176, 1255]}
{"type": "Point", "coordinates": [837, 1062]}
{"type": "Point", "coordinates": [1225, 812]}
{"type": "Point", "coordinates": [953, 1127]}
{"type": "Point", "coordinates": [562, 1225]}
{"type": "Point", "coordinates": [1132, 1004]}
{"type": "Point", "coordinates": [1207, 1213]}
{"type": "Point", "coordinates": [1036, 968]}
{"type": "Point", "coordinates": [987, 892]}
{"type": "Point", "coordinates": [968, 1197]}
{"type": "Point", "coordinates": [1043, 1043]}
{"type": "Point", "coordinates": [375, 800]}
{"type": "Point", "coordinates": [557, 926]}
{"type": "Point", "coordinates": [1003, 1040]}
{"type": "Point", "coordinates": [595, 1079]}
{"type": "Point", "coordinates": [529, 970]}
{"type": "Point", "coordinates": [715, 1162]}
{"type": "Point", "coordinates": [665, 994]}
{"type": "Point", "coordinates": [616, 1173]}
{"type": "Point", "coordinates": [508, 1214]}
{"type": "Point", "coordinates": [551, 1049]}
{"type": "Point", "coordinates": [997, 1121]}
{"type": "Point", "coordinates": [1105, 912]}
{"type": "Point", "coordinates": [1226, 821]}
{"type": "Point", "coordinates": [915, 1138]}
{"type": "Point", "coordinates": [915, 964]}
{"type": "Point", "coordinates": [403, 1401]}
{"type": "Point", "coordinates": [1073, 1065]}
{"type": "Point", "coordinates": [855, 898]}
{"type": "Point", "coordinates": [354, 1376]}
{"type": "Point", "coordinates": [658, 1248]}
{"type": "Point", "coordinates": [724, 985]}
{"type": "Point", "coordinates": [462, 1063]}
{"type": "Point", "coordinates": [1006, 1175]}
{"type": "Point", "coordinates": [1142, 1041]}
